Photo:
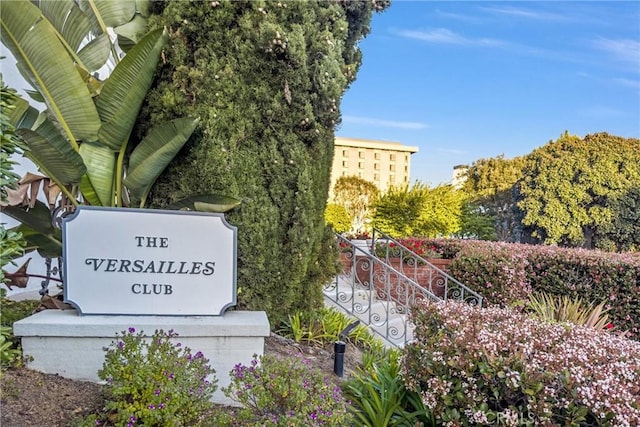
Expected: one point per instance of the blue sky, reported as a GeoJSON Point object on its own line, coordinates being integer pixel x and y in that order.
{"type": "Point", "coordinates": [475, 79]}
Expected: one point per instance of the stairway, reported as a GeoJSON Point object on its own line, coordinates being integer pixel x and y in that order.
{"type": "Point", "coordinates": [370, 289]}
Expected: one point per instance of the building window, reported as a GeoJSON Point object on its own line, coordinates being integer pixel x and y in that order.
{"type": "Point", "coordinates": [406, 158]}
{"type": "Point", "coordinates": [392, 168]}
{"type": "Point", "coordinates": [360, 165]}
{"type": "Point", "coordinates": [361, 154]}
{"type": "Point", "coordinates": [376, 177]}
{"type": "Point", "coordinates": [345, 164]}
{"type": "Point", "coordinates": [344, 173]}
{"type": "Point", "coordinates": [376, 166]}
{"type": "Point", "coordinates": [345, 153]}
{"type": "Point", "coordinates": [392, 157]}
{"type": "Point", "coordinates": [392, 178]}
{"type": "Point", "coordinates": [406, 178]}
{"type": "Point", "coordinates": [406, 168]}
{"type": "Point", "coordinates": [360, 175]}
{"type": "Point", "coordinates": [376, 156]}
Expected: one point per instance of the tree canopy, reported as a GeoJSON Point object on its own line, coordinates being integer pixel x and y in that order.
{"type": "Point", "coordinates": [489, 187]}
{"type": "Point", "coordinates": [356, 195]}
{"type": "Point", "coordinates": [570, 185]}
{"type": "Point", "coordinates": [419, 211]}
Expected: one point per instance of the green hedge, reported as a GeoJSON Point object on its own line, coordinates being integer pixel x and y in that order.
{"type": "Point", "coordinates": [266, 79]}
{"type": "Point", "coordinates": [506, 273]}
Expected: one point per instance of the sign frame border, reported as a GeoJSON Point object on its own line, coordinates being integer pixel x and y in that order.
{"type": "Point", "coordinates": [234, 230]}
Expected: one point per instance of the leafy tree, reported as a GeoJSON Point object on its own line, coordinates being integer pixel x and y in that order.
{"type": "Point", "coordinates": [476, 222]}
{"type": "Point", "coordinates": [489, 186]}
{"type": "Point", "coordinates": [356, 195]}
{"type": "Point", "coordinates": [569, 186]}
{"type": "Point", "coordinates": [266, 79]}
{"type": "Point", "coordinates": [623, 232]}
{"type": "Point", "coordinates": [338, 218]}
{"type": "Point", "coordinates": [397, 211]}
{"type": "Point", "coordinates": [419, 211]}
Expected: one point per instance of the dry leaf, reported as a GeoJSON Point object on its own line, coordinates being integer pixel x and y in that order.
{"type": "Point", "coordinates": [18, 278]}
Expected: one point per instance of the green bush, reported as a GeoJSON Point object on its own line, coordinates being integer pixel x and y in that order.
{"type": "Point", "coordinates": [9, 353]}
{"type": "Point", "coordinates": [322, 327]}
{"type": "Point", "coordinates": [155, 382]}
{"type": "Point", "coordinates": [338, 218]}
{"type": "Point", "coordinates": [379, 397]}
{"type": "Point", "coordinates": [266, 79]}
{"type": "Point", "coordinates": [284, 392]}
{"type": "Point", "coordinates": [11, 312]}
{"type": "Point", "coordinates": [507, 273]}
{"type": "Point", "coordinates": [496, 366]}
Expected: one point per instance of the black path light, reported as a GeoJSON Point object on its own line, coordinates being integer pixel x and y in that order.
{"type": "Point", "coordinates": [340, 346]}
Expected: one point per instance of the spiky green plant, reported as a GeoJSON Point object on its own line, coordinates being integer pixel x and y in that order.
{"type": "Point", "coordinates": [561, 308]}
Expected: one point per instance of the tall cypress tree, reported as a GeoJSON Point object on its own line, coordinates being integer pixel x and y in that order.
{"type": "Point", "coordinates": [266, 78]}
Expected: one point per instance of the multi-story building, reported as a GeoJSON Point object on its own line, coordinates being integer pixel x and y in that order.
{"type": "Point", "coordinates": [385, 164]}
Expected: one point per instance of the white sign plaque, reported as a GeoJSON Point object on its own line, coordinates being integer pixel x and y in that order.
{"type": "Point", "coordinates": [149, 262]}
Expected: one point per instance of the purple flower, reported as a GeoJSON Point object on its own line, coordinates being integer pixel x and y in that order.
{"type": "Point", "coordinates": [152, 407]}
{"type": "Point", "coordinates": [121, 344]}
{"type": "Point", "coordinates": [132, 330]}
{"type": "Point", "coordinates": [157, 392]}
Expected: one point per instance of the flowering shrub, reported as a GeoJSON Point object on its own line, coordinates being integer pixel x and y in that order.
{"type": "Point", "coordinates": [494, 365]}
{"type": "Point", "coordinates": [284, 392]}
{"type": "Point", "coordinates": [506, 273]}
{"type": "Point", "coordinates": [345, 247]}
{"type": "Point", "coordinates": [496, 270]}
{"type": "Point", "coordinates": [363, 235]}
{"type": "Point", "coordinates": [420, 247]}
{"type": "Point", "coordinates": [155, 382]}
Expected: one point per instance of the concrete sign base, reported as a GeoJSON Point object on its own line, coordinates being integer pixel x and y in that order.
{"type": "Point", "coordinates": [62, 342]}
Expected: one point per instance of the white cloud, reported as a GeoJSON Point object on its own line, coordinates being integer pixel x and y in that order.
{"type": "Point", "coordinates": [384, 123]}
{"type": "Point", "coordinates": [635, 84]}
{"type": "Point", "coordinates": [445, 36]}
{"type": "Point", "coordinates": [527, 13]}
{"type": "Point", "coordinates": [457, 16]}
{"type": "Point", "coordinates": [626, 50]}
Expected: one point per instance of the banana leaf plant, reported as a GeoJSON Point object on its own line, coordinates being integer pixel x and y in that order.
{"type": "Point", "coordinates": [80, 142]}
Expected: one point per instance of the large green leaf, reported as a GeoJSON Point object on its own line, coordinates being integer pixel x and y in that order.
{"type": "Point", "coordinates": [113, 12]}
{"type": "Point", "coordinates": [54, 156]}
{"type": "Point", "coordinates": [100, 162]}
{"type": "Point", "coordinates": [38, 217]}
{"type": "Point", "coordinates": [47, 245]}
{"type": "Point", "coordinates": [95, 54]}
{"type": "Point", "coordinates": [206, 203]}
{"type": "Point", "coordinates": [65, 15]}
{"type": "Point", "coordinates": [122, 95]}
{"type": "Point", "coordinates": [132, 30]}
{"type": "Point", "coordinates": [23, 115]}
{"type": "Point", "coordinates": [35, 44]}
{"type": "Point", "coordinates": [155, 152]}
{"type": "Point", "coordinates": [89, 194]}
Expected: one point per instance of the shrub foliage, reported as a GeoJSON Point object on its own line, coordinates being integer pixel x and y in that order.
{"type": "Point", "coordinates": [495, 366]}
{"type": "Point", "coordinates": [266, 80]}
